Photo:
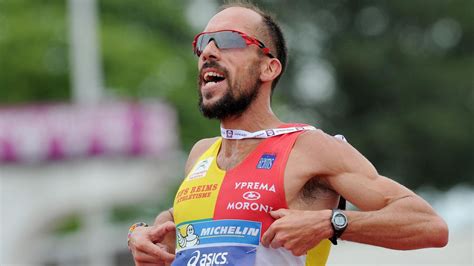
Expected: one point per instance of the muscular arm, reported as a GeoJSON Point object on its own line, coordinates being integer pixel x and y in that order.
{"type": "Point", "coordinates": [390, 215]}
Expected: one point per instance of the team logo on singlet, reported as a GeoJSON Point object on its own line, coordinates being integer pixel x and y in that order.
{"type": "Point", "coordinates": [201, 168]}
{"type": "Point", "coordinates": [266, 161]}
{"type": "Point", "coordinates": [251, 195]}
{"type": "Point", "coordinates": [189, 239]}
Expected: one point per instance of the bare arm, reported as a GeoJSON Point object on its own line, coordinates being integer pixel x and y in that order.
{"type": "Point", "coordinates": [390, 215]}
{"type": "Point", "coordinates": [397, 219]}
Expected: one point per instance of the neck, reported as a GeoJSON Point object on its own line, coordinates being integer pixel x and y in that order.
{"type": "Point", "coordinates": [233, 151]}
{"type": "Point", "coordinates": [258, 116]}
{"type": "Point", "coordinates": [252, 120]}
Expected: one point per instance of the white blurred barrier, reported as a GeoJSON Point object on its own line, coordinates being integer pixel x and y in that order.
{"type": "Point", "coordinates": [458, 252]}
{"type": "Point", "coordinates": [36, 198]}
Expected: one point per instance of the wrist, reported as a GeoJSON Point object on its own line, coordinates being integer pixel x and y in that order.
{"type": "Point", "coordinates": [339, 222]}
{"type": "Point", "coordinates": [132, 228]}
{"type": "Point", "coordinates": [329, 232]}
{"type": "Point", "coordinates": [322, 227]}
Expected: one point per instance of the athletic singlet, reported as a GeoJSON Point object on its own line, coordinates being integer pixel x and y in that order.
{"type": "Point", "coordinates": [220, 216]}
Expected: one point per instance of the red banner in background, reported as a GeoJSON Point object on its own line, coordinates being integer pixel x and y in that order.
{"type": "Point", "coordinates": [66, 131]}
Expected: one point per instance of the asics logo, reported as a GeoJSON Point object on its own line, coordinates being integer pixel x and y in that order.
{"type": "Point", "coordinates": [207, 259]}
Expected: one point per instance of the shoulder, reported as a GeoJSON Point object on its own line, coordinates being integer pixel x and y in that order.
{"type": "Point", "coordinates": [319, 141]}
{"type": "Point", "coordinates": [331, 154]}
{"type": "Point", "coordinates": [197, 150]}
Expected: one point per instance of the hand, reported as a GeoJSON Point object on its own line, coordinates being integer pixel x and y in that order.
{"type": "Point", "coordinates": [147, 247]}
{"type": "Point", "coordinates": [298, 231]}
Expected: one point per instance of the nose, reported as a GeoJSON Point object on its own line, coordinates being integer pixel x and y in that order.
{"type": "Point", "coordinates": [211, 51]}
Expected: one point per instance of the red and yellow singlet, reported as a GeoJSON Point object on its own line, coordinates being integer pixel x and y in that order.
{"type": "Point", "coordinates": [221, 215]}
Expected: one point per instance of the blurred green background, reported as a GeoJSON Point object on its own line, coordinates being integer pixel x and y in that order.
{"type": "Point", "coordinates": [394, 77]}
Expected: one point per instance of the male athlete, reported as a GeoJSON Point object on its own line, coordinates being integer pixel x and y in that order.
{"type": "Point", "coordinates": [266, 192]}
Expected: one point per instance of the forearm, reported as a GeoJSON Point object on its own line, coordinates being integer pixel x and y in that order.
{"type": "Point", "coordinates": [408, 223]}
{"type": "Point", "coordinates": [164, 216]}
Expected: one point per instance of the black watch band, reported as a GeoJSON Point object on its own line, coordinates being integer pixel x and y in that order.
{"type": "Point", "coordinates": [339, 224]}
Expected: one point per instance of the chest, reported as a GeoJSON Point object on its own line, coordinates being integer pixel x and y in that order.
{"type": "Point", "coordinates": [251, 186]}
{"type": "Point", "coordinates": [230, 156]}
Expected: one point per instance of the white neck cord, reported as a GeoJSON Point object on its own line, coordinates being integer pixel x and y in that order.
{"type": "Point", "coordinates": [261, 134]}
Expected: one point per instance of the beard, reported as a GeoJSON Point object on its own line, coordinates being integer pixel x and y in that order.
{"type": "Point", "coordinates": [236, 98]}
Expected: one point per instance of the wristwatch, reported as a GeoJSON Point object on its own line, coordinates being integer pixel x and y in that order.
{"type": "Point", "coordinates": [339, 224]}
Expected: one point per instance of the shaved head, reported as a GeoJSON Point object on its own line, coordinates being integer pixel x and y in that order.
{"type": "Point", "coordinates": [262, 26]}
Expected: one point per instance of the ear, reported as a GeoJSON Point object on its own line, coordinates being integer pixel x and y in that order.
{"type": "Point", "coordinates": [270, 70]}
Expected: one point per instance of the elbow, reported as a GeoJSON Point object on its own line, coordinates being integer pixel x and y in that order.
{"type": "Point", "coordinates": [439, 233]}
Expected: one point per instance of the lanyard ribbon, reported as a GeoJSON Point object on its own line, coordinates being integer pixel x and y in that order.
{"type": "Point", "coordinates": [261, 134]}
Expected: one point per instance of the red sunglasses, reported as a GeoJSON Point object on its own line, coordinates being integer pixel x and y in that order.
{"type": "Point", "coordinates": [226, 39]}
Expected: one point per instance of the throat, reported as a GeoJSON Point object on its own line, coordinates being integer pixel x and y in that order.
{"type": "Point", "coordinates": [227, 163]}
{"type": "Point", "coordinates": [234, 152]}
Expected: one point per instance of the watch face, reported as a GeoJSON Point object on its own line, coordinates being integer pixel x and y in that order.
{"type": "Point", "coordinates": [339, 220]}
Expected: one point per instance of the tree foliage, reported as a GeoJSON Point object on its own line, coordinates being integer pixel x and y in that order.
{"type": "Point", "coordinates": [33, 51]}
{"type": "Point", "coordinates": [395, 77]}
{"type": "Point", "coordinates": [403, 78]}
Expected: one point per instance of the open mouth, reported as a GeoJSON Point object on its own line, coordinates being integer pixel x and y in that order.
{"type": "Point", "coordinates": [212, 77]}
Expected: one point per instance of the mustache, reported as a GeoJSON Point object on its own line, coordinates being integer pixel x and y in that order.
{"type": "Point", "coordinates": [212, 64]}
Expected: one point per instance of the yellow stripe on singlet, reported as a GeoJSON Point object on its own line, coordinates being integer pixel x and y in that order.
{"type": "Point", "coordinates": [197, 195]}
{"type": "Point", "coordinates": [318, 255]}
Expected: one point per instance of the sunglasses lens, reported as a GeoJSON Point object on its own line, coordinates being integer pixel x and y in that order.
{"type": "Point", "coordinates": [201, 43]}
{"type": "Point", "coordinates": [222, 39]}
{"type": "Point", "coordinates": [229, 39]}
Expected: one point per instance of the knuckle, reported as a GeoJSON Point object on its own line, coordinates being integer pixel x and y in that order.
{"type": "Point", "coordinates": [279, 239]}
{"type": "Point", "coordinates": [139, 245]}
{"type": "Point", "coordinates": [295, 253]}
{"type": "Point", "coordinates": [139, 259]}
{"type": "Point", "coordinates": [277, 223]}
{"type": "Point", "coordinates": [275, 246]}
{"type": "Point", "coordinates": [169, 223]}
{"type": "Point", "coordinates": [282, 237]}
{"type": "Point", "coordinates": [158, 253]}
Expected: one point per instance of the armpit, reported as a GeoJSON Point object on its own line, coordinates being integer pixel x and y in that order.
{"type": "Point", "coordinates": [317, 189]}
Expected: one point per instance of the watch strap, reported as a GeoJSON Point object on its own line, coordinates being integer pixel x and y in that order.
{"type": "Point", "coordinates": [337, 233]}
{"type": "Point", "coordinates": [342, 203]}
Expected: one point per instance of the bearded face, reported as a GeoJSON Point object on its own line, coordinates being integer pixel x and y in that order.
{"type": "Point", "coordinates": [240, 90]}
